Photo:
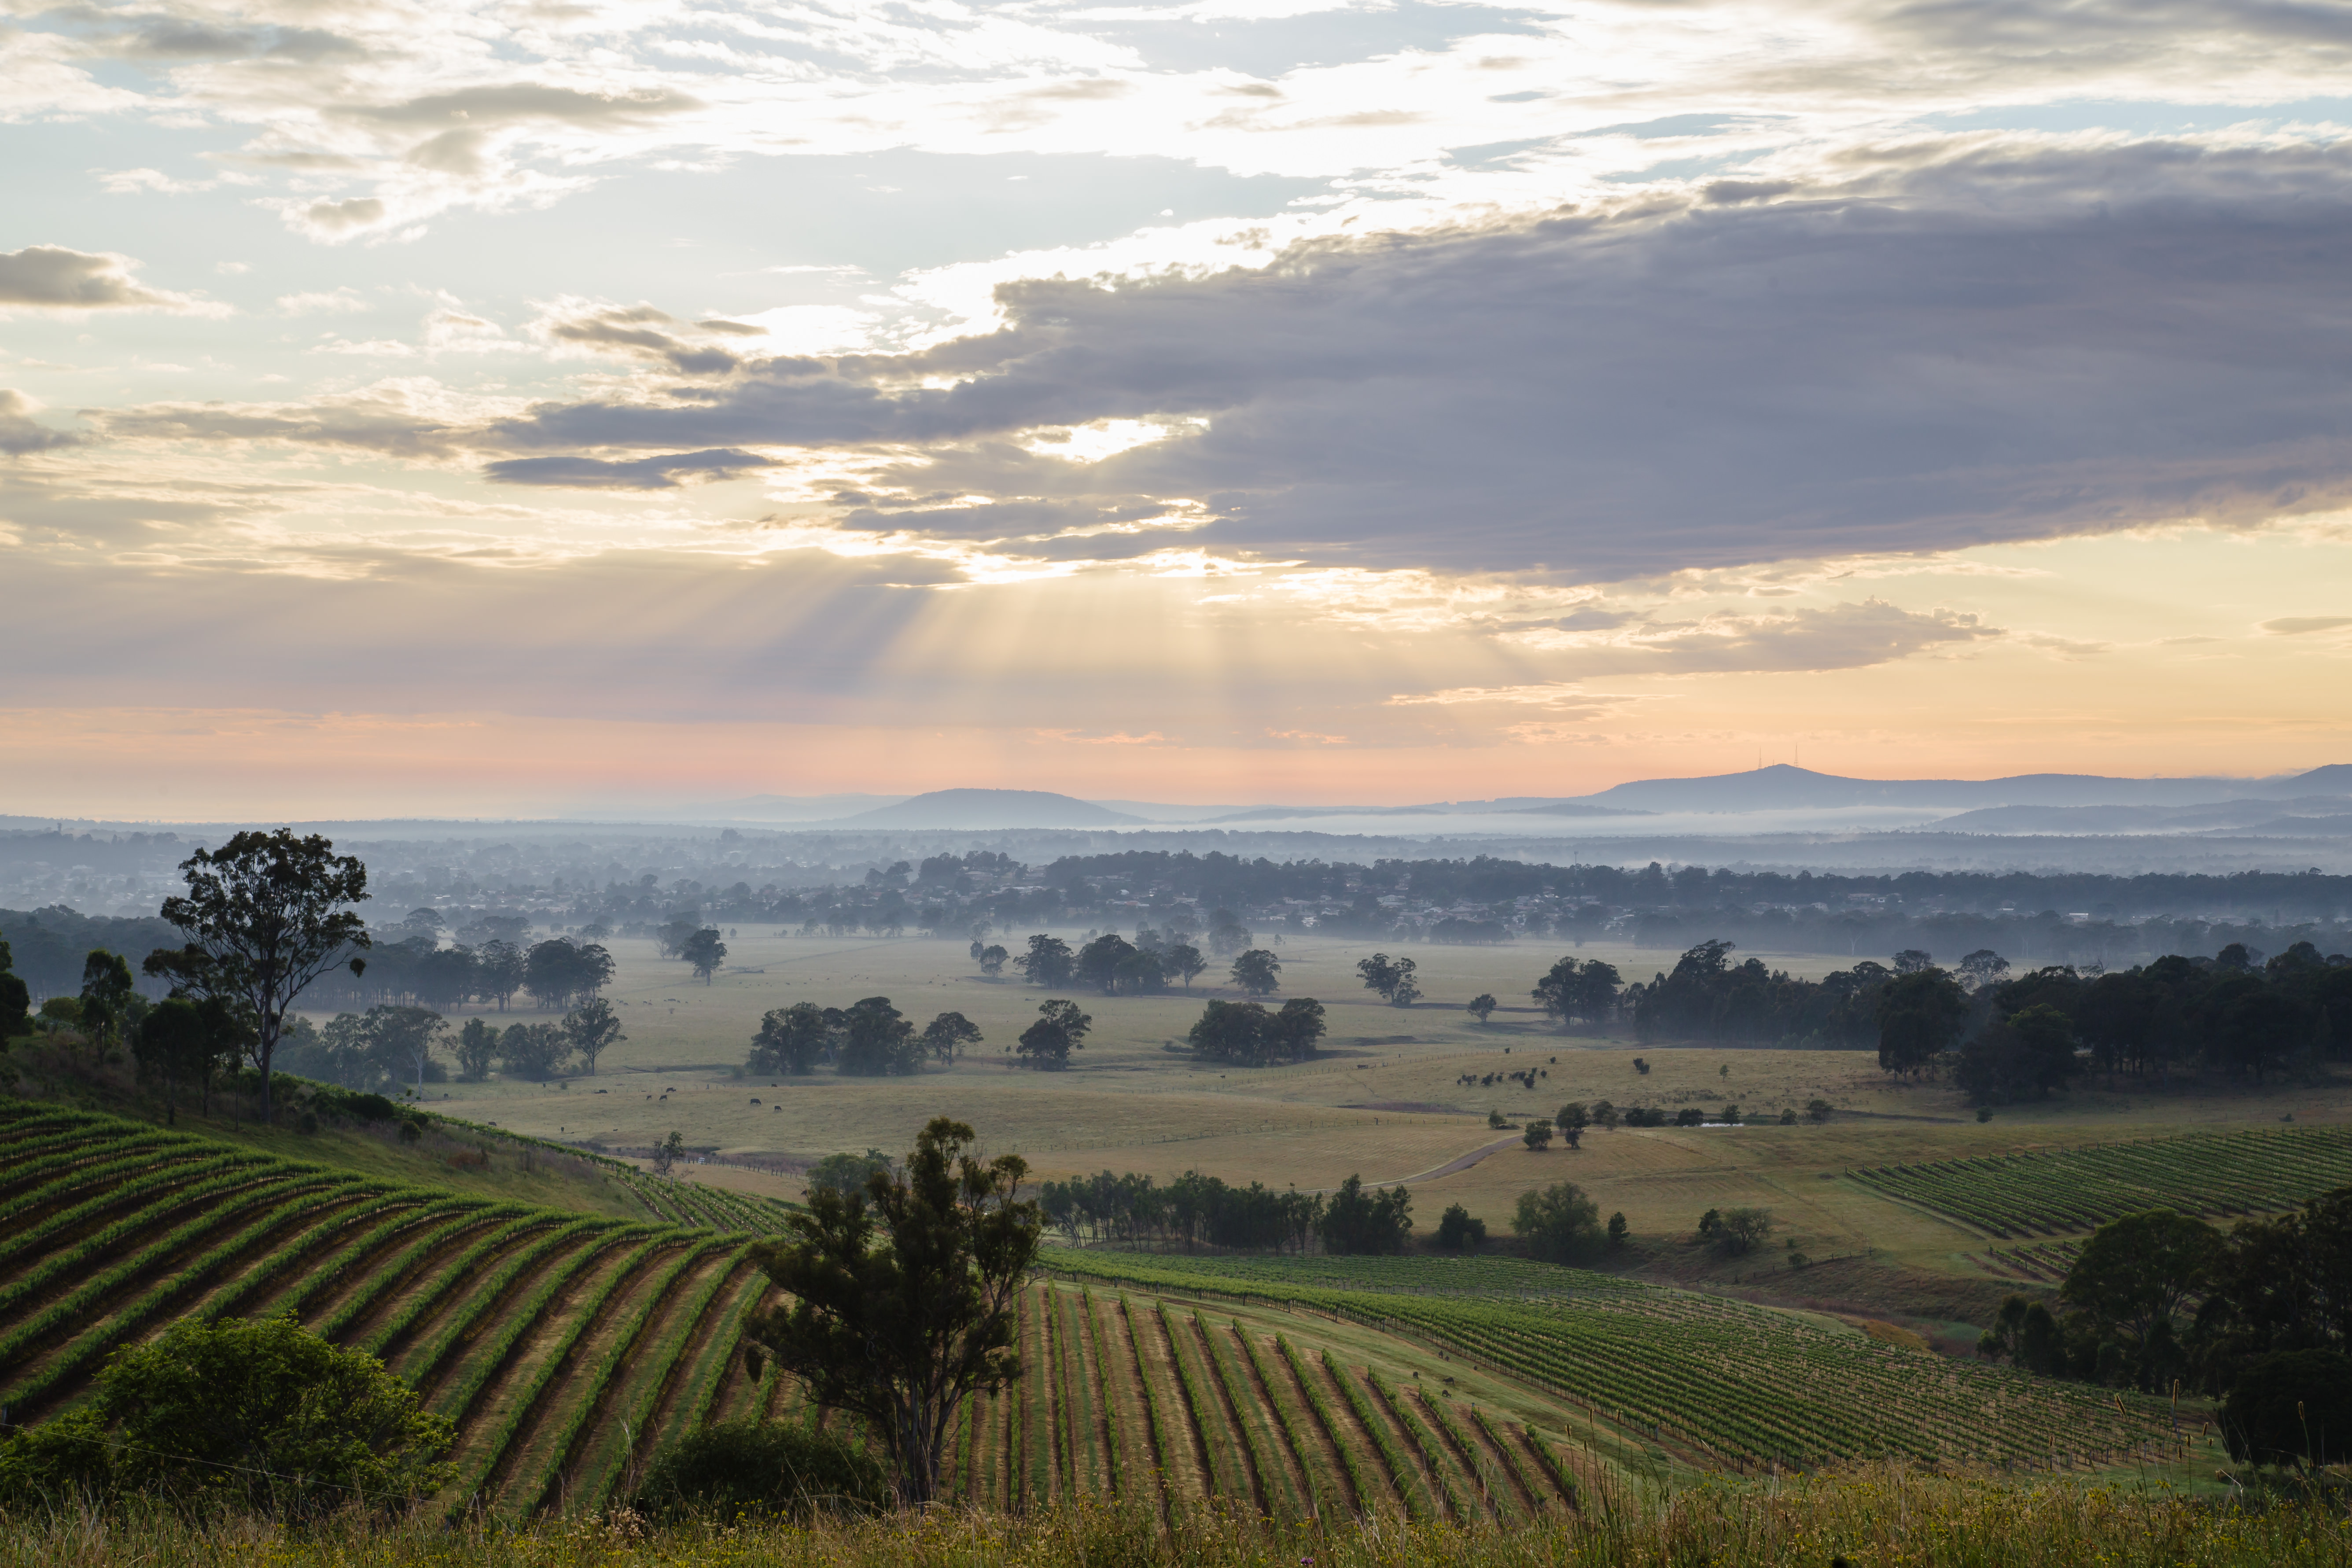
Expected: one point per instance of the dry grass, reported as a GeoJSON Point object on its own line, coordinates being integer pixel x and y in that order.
{"type": "Point", "coordinates": [1876, 1519]}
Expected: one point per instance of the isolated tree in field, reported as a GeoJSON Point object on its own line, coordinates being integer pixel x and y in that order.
{"type": "Point", "coordinates": [1920, 1016]}
{"type": "Point", "coordinates": [1380, 973]}
{"type": "Point", "coordinates": [477, 1048]}
{"type": "Point", "coordinates": [877, 1041]}
{"type": "Point", "coordinates": [1537, 1136]}
{"type": "Point", "coordinates": [791, 1040]}
{"type": "Point", "coordinates": [1458, 1231]}
{"type": "Point", "coordinates": [1049, 961]}
{"type": "Point", "coordinates": [1481, 1005]}
{"type": "Point", "coordinates": [1060, 1029]}
{"type": "Point", "coordinates": [1560, 1223]}
{"type": "Point", "coordinates": [593, 1028]}
{"type": "Point", "coordinates": [706, 952]}
{"type": "Point", "coordinates": [1184, 960]}
{"type": "Point", "coordinates": [1735, 1231]}
{"type": "Point", "coordinates": [992, 959]}
{"type": "Point", "coordinates": [264, 915]}
{"type": "Point", "coordinates": [1618, 1230]}
{"type": "Point", "coordinates": [1572, 1117]}
{"type": "Point", "coordinates": [1258, 973]}
{"type": "Point", "coordinates": [949, 1036]}
{"type": "Point", "coordinates": [110, 1002]}
{"type": "Point", "coordinates": [902, 1297]}
{"type": "Point", "coordinates": [253, 1414]}
{"type": "Point", "coordinates": [669, 1152]}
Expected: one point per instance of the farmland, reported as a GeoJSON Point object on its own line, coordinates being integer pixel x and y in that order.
{"type": "Point", "coordinates": [566, 1347]}
{"type": "Point", "coordinates": [1719, 1382]}
{"type": "Point", "coordinates": [2056, 1192]}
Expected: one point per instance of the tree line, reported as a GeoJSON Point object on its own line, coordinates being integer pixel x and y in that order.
{"type": "Point", "coordinates": [2007, 1037]}
{"type": "Point", "coordinates": [1196, 1210]}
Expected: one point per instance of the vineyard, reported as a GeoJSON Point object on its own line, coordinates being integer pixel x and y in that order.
{"type": "Point", "coordinates": [2072, 1190]}
{"type": "Point", "coordinates": [1718, 1381]}
{"type": "Point", "coordinates": [567, 1348]}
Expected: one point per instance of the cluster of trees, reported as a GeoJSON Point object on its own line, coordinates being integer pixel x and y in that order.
{"type": "Point", "coordinates": [559, 973]}
{"type": "Point", "coordinates": [1709, 997]}
{"type": "Point", "coordinates": [389, 1042]}
{"type": "Point", "coordinates": [870, 1038]}
{"type": "Point", "coordinates": [1196, 1210]}
{"type": "Point", "coordinates": [2009, 1037]}
{"type": "Point", "coordinates": [1245, 1034]}
{"type": "Point", "coordinates": [2260, 1316]}
{"type": "Point", "coordinates": [1116, 966]}
{"type": "Point", "coordinates": [1193, 1210]}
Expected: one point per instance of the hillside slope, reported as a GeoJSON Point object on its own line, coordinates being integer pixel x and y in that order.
{"type": "Point", "coordinates": [567, 1348]}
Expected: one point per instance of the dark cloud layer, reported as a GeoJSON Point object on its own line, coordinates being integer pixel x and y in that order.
{"type": "Point", "coordinates": [1941, 350]}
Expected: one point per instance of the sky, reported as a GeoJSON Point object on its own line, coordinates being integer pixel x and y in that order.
{"type": "Point", "coordinates": [413, 408]}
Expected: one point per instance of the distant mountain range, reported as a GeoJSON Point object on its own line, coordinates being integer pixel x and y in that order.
{"type": "Point", "coordinates": [2060, 803]}
{"type": "Point", "coordinates": [986, 808]}
{"type": "Point", "coordinates": [1784, 788]}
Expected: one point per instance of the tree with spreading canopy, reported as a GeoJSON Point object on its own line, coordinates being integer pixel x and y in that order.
{"type": "Point", "coordinates": [704, 951]}
{"type": "Point", "coordinates": [264, 915]}
{"type": "Point", "coordinates": [1049, 961]}
{"type": "Point", "coordinates": [793, 1040]}
{"type": "Point", "coordinates": [1258, 973]}
{"type": "Point", "coordinates": [901, 1298]}
{"type": "Point", "coordinates": [1060, 1029]}
{"type": "Point", "coordinates": [1560, 1224]}
{"type": "Point", "coordinates": [593, 1028]}
{"type": "Point", "coordinates": [1184, 961]}
{"type": "Point", "coordinates": [877, 1041]}
{"type": "Point", "coordinates": [949, 1034]}
{"type": "Point", "coordinates": [1480, 1005]}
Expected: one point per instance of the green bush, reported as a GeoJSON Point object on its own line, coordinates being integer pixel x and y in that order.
{"type": "Point", "coordinates": [757, 1468]}
{"type": "Point", "coordinates": [255, 1415]}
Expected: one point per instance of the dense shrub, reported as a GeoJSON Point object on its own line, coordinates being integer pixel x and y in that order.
{"type": "Point", "coordinates": [759, 1469]}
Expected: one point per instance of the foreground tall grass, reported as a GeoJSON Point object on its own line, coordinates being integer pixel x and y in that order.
{"type": "Point", "coordinates": [1879, 1519]}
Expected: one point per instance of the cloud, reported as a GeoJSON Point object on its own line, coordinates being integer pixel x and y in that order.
{"type": "Point", "coordinates": [19, 434]}
{"type": "Point", "coordinates": [51, 277]}
{"type": "Point", "coordinates": [343, 218]}
{"type": "Point", "coordinates": [401, 417]}
{"type": "Point", "coordinates": [660, 473]}
{"type": "Point", "coordinates": [2303, 626]}
{"type": "Point", "coordinates": [1944, 350]}
{"type": "Point", "coordinates": [1836, 636]}
{"type": "Point", "coordinates": [331, 301]}
{"type": "Point", "coordinates": [640, 331]}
